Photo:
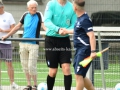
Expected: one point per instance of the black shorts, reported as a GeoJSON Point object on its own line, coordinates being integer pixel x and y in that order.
{"type": "Point", "coordinates": [57, 50]}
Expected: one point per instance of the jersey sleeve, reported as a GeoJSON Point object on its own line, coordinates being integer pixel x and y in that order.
{"type": "Point", "coordinates": [22, 18]}
{"type": "Point", "coordinates": [87, 25]}
{"type": "Point", "coordinates": [48, 17]}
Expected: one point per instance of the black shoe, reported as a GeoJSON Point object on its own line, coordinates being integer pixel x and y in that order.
{"type": "Point", "coordinates": [28, 88]}
{"type": "Point", "coordinates": [34, 87]}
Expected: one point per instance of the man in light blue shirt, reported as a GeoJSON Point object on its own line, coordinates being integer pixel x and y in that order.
{"type": "Point", "coordinates": [59, 16]}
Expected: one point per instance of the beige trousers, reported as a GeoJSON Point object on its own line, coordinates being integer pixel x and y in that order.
{"type": "Point", "coordinates": [28, 57]}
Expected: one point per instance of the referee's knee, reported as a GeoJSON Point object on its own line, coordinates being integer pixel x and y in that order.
{"type": "Point", "coordinates": [52, 72]}
{"type": "Point", "coordinates": [66, 69]}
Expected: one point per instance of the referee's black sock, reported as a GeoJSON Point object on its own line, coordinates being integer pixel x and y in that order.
{"type": "Point", "coordinates": [67, 82]}
{"type": "Point", "coordinates": [50, 82]}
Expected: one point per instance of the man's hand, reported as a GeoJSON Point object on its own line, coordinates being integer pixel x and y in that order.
{"type": "Point", "coordinates": [63, 31]}
{"type": "Point", "coordinates": [93, 55]}
{"type": "Point", "coordinates": [3, 38]}
{"type": "Point", "coordinates": [60, 31]}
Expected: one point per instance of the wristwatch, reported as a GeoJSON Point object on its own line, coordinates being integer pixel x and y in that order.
{"type": "Point", "coordinates": [92, 51]}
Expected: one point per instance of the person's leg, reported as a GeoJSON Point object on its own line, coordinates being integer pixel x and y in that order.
{"type": "Point", "coordinates": [0, 75]}
{"type": "Point", "coordinates": [0, 65]}
{"type": "Point", "coordinates": [51, 78]}
{"type": "Point", "coordinates": [7, 55]}
{"type": "Point", "coordinates": [88, 84]}
{"type": "Point", "coordinates": [28, 77]}
{"type": "Point", "coordinates": [67, 76]}
{"type": "Point", "coordinates": [34, 77]}
{"type": "Point", "coordinates": [79, 82]}
{"type": "Point", "coordinates": [52, 59]}
{"type": "Point", "coordinates": [52, 63]}
{"type": "Point", "coordinates": [32, 64]}
{"type": "Point", "coordinates": [80, 72]}
{"type": "Point", "coordinates": [10, 71]}
{"type": "Point", "coordinates": [65, 61]}
{"type": "Point", "coordinates": [24, 61]}
{"type": "Point", "coordinates": [83, 82]}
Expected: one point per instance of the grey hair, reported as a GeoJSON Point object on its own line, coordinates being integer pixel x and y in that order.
{"type": "Point", "coordinates": [31, 2]}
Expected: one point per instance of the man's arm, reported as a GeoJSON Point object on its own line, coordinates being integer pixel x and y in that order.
{"type": "Point", "coordinates": [40, 15]}
{"type": "Point", "coordinates": [43, 26]}
{"type": "Point", "coordinates": [92, 40]}
{"type": "Point", "coordinates": [48, 16]}
{"type": "Point", "coordinates": [70, 31]}
{"type": "Point", "coordinates": [64, 31]}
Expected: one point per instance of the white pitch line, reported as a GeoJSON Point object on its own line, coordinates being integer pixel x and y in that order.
{"type": "Point", "coordinates": [23, 72]}
{"type": "Point", "coordinates": [72, 73]}
{"type": "Point", "coordinates": [108, 73]}
{"type": "Point", "coordinates": [37, 78]}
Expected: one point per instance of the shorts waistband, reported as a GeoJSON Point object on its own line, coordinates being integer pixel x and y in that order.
{"type": "Point", "coordinates": [51, 37]}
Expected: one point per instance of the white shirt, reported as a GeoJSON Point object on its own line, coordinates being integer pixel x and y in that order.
{"type": "Point", "coordinates": [6, 20]}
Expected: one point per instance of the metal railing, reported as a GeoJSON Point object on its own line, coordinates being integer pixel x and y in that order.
{"type": "Point", "coordinates": [110, 66]}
